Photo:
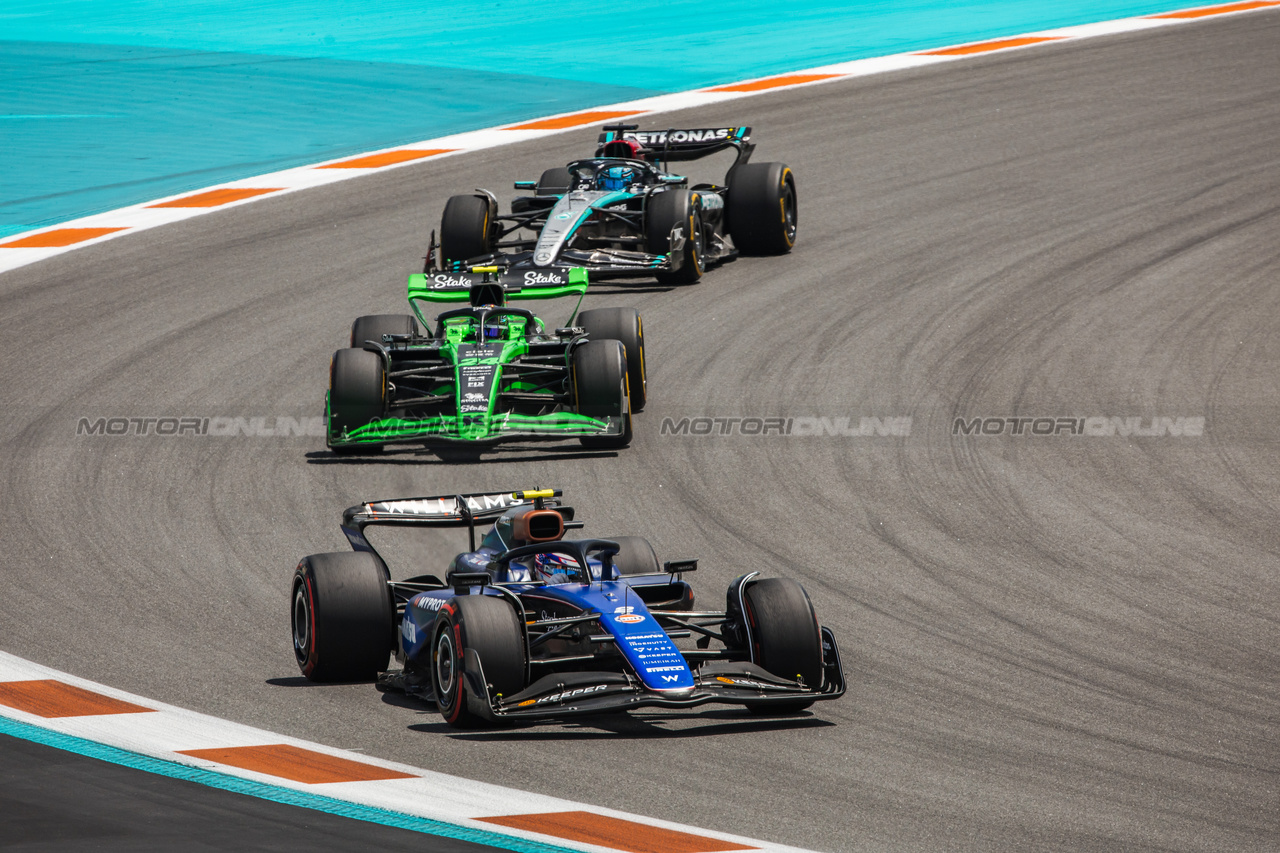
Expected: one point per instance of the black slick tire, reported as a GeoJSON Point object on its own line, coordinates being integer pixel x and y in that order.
{"type": "Point", "coordinates": [357, 392]}
{"type": "Point", "coordinates": [761, 209]}
{"type": "Point", "coordinates": [600, 388]}
{"type": "Point", "coordinates": [785, 634]}
{"type": "Point", "coordinates": [636, 556]}
{"type": "Point", "coordinates": [665, 211]}
{"type": "Point", "coordinates": [488, 626]}
{"type": "Point", "coordinates": [464, 228]}
{"type": "Point", "coordinates": [621, 324]}
{"type": "Point", "coordinates": [342, 616]}
{"type": "Point", "coordinates": [374, 326]}
{"type": "Point", "coordinates": [554, 182]}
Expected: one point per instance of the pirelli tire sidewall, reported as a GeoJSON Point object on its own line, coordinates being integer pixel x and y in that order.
{"type": "Point", "coordinates": [466, 228]}
{"type": "Point", "coordinates": [762, 208]}
{"type": "Point", "coordinates": [786, 638]}
{"type": "Point", "coordinates": [373, 326]}
{"type": "Point", "coordinates": [601, 388]}
{"type": "Point", "coordinates": [342, 616]}
{"type": "Point", "coordinates": [488, 627]}
{"type": "Point", "coordinates": [625, 325]}
{"type": "Point", "coordinates": [665, 211]}
{"type": "Point", "coordinates": [357, 393]}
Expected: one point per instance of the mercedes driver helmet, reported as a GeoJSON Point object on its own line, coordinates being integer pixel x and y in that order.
{"type": "Point", "coordinates": [616, 178]}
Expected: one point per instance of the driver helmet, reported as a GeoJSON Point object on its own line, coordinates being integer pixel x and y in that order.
{"type": "Point", "coordinates": [616, 178]}
{"type": "Point", "coordinates": [555, 568]}
{"type": "Point", "coordinates": [495, 328]}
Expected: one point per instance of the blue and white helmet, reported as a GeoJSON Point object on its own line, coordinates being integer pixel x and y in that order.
{"type": "Point", "coordinates": [616, 178]}
{"type": "Point", "coordinates": [555, 568]}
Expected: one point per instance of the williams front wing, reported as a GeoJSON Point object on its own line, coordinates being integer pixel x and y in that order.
{"type": "Point", "coordinates": [723, 682]}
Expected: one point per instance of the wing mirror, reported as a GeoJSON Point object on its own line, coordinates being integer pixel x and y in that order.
{"type": "Point", "coordinates": [676, 567]}
{"type": "Point", "coordinates": [674, 180]}
{"type": "Point", "coordinates": [526, 185]}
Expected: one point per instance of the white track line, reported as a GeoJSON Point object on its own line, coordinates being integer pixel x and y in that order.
{"type": "Point", "coordinates": [165, 732]}
{"type": "Point", "coordinates": [16, 251]}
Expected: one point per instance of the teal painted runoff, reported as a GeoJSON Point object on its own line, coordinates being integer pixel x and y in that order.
{"type": "Point", "coordinates": [106, 104]}
{"type": "Point", "coordinates": [262, 790]}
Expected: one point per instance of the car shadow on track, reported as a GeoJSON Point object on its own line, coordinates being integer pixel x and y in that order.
{"type": "Point", "coordinates": [633, 726]}
{"type": "Point", "coordinates": [458, 456]}
{"type": "Point", "coordinates": [603, 288]}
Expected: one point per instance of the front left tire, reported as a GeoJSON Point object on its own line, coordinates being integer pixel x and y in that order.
{"type": "Point", "coordinates": [488, 626]}
{"type": "Point", "coordinates": [357, 395]}
{"type": "Point", "coordinates": [666, 211]}
{"type": "Point", "coordinates": [600, 388]}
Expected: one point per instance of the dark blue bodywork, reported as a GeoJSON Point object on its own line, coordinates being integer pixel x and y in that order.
{"type": "Point", "coordinates": [615, 630]}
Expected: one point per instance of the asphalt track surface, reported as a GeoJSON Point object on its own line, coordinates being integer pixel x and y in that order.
{"type": "Point", "coordinates": [51, 800]}
{"type": "Point", "coordinates": [1054, 643]}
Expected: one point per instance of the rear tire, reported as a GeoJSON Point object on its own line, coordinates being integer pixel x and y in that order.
{"type": "Point", "coordinates": [600, 387]}
{"type": "Point", "coordinates": [374, 326]}
{"type": "Point", "coordinates": [667, 210]}
{"type": "Point", "coordinates": [489, 626]}
{"type": "Point", "coordinates": [357, 394]}
{"type": "Point", "coordinates": [342, 616]}
{"type": "Point", "coordinates": [762, 209]}
{"type": "Point", "coordinates": [464, 229]}
{"type": "Point", "coordinates": [554, 182]}
{"type": "Point", "coordinates": [635, 557]}
{"type": "Point", "coordinates": [622, 324]}
{"type": "Point", "coordinates": [784, 629]}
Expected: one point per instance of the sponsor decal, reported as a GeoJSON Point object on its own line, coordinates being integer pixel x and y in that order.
{"type": "Point", "coordinates": [661, 137]}
{"type": "Point", "coordinates": [563, 695]}
{"type": "Point", "coordinates": [472, 396]}
{"type": "Point", "coordinates": [670, 678]}
{"type": "Point", "coordinates": [531, 278]}
{"type": "Point", "coordinates": [630, 618]}
{"type": "Point", "coordinates": [444, 506]}
{"type": "Point", "coordinates": [626, 608]}
{"type": "Point", "coordinates": [409, 631]}
{"type": "Point", "coordinates": [664, 669]}
{"type": "Point", "coordinates": [444, 281]}
{"type": "Point", "coordinates": [746, 682]}
{"type": "Point", "coordinates": [427, 602]}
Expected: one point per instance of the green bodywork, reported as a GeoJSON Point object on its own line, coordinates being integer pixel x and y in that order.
{"type": "Point", "coordinates": [504, 379]}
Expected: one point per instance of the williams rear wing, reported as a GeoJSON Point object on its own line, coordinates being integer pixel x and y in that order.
{"type": "Point", "coordinates": [442, 511]}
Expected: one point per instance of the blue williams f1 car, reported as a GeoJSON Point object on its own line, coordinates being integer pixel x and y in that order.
{"type": "Point", "coordinates": [530, 625]}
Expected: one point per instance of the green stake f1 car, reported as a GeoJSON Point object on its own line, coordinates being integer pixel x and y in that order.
{"type": "Point", "coordinates": [487, 372]}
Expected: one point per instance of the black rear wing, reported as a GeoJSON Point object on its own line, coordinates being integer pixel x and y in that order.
{"type": "Point", "coordinates": [462, 510]}
{"type": "Point", "coordinates": [681, 144]}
